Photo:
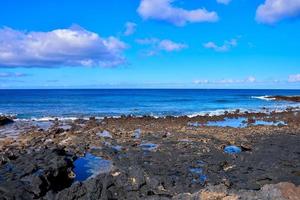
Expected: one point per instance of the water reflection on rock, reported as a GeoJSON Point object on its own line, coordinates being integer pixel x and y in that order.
{"type": "Point", "coordinates": [232, 149]}
{"type": "Point", "coordinates": [229, 122]}
{"type": "Point", "coordinates": [241, 122]}
{"type": "Point", "coordinates": [105, 134]}
{"type": "Point", "coordinates": [149, 146]}
{"type": "Point", "coordinates": [137, 133]}
{"type": "Point", "coordinates": [90, 166]}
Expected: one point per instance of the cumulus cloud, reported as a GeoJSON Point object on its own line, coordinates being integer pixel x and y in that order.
{"type": "Point", "coordinates": [200, 82]}
{"type": "Point", "coordinates": [130, 28]}
{"type": "Point", "coordinates": [163, 10]}
{"type": "Point", "coordinates": [161, 45]}
{"type": "Point", "coordinates": [226, 46]}
{"type": "Point", "coordinates": [168, 45]}
{"type": "Point", "coordinates": [9, 75]}
{"type": "Point", "coordinates": [224, 1]}
{"type": "Point", "coordinates": [249, 79]}
{"type": "Point", "coordinates": [74, 46]}
{"type": "Point", "coordinates": [294, 78]}
{"type": "Point", "coordinates": [273, 11]}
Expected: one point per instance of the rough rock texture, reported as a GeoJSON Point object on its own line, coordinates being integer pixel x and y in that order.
{"type": "Point", "coordinates": [188, 157]}
{"type": "Point", "coordinates": [280, 191]}
{"type": "Point", "coordinates": [5, 120]}
{"type": "Point", "coordinates": [31, 175]}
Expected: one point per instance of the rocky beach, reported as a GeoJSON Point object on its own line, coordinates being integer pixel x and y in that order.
{"type": "Point", "coordinates": [237, 155]}
{"type": "Point", "coordinates": [150, 100]}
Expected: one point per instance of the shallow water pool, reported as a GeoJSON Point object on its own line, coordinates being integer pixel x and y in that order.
{"type": "Point", "coordinates": [241, 122]}
{"type": "Point", "coordinates": [149, 146]}
{"type": "Point", "coordinates": [230, 122]}
{"type": "Point", "coordinates": [90, 166]}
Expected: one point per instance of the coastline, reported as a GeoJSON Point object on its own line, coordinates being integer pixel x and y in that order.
{"type": "Point", "coordinates": [138, 148]}
{"type": "Point", "coordinates": [285, 98]}
{"type": "Point", "coordinates": [212, 113]}
{"type": "Point", "coordinates": [53, 104]}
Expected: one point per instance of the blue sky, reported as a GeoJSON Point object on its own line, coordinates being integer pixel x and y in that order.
{"type": "Point", "coordinates": [150, 44]}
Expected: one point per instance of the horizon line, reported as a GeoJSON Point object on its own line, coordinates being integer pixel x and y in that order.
{"type": "Point", "coordinates": [149, 89]}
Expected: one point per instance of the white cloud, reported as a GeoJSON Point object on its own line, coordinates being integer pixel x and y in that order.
{"type": "Point", "coordinates": [224, 1]}
{"type": "Point", "coordinates": [227, 45]}
{"type": "Point", "coordinates": [250, 79]}
{"type": "Point", "coordinates": [200, 82]}
{"type": "Point", "coordinates": [294, 78]}
{"type": "Point", "coordinates": [273, 11]}
{"type": "Point", "coordinates": [212, 45]}
{"type": "Point", "coordinates": [164, 10]}
{"type": "Point", "coordinates": [168, 45]}
{"type": "Point", "coordinates": [74, 46]}
{"type": "Point", "coordinates": [161, 45]}
{"type": "Point", "coordinates": [130, 28]}
{"type": "Point", "coordinates": [228, 81]}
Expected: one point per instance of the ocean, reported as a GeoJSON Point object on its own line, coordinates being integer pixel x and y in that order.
{"type": "Point", "coordinates": [78, 103]}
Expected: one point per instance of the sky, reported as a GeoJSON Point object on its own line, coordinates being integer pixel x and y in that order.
{"type": "Point", "coordinates": [150, 44]}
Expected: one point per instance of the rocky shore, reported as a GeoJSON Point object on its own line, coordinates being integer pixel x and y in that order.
{"type": "Point", "coordinates": [232, 156]}
{"type": "Point", "coordinates": [285, 98]}
{"type": "Point", "coordinates": [5, 120]}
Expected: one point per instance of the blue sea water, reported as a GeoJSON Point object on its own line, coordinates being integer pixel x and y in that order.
{"type": "Point", "coordinates": [28, 104]}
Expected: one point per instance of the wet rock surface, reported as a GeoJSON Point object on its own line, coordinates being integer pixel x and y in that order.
{"type": "Point", "coordinates": [5, 120]}
{"type": "Point", "coordinates": [152, 158]}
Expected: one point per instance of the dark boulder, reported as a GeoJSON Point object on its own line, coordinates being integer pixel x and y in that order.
{"type": "Point", "coordinates": [33, 175]}
{"type": "Point", "coordinates": [5, 120]}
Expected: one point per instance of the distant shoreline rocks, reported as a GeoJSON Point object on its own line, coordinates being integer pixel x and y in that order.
{"type": "Point", "coordinates": [285, 98]}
